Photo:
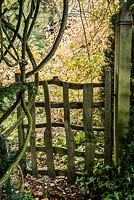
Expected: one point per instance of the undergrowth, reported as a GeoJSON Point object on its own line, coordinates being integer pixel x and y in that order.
{"type": "Point", "coordinates": [108, 182]}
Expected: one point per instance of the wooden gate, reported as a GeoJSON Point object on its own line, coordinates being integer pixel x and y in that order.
{"type": "Point", "coordinates": [87, 106]}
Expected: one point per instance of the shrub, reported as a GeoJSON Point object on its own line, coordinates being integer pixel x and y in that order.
{"type": "Point", "coordinates": [109, 182]}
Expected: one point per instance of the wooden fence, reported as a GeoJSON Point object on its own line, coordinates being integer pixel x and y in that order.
{"type": "Point", "coordinates": [87, 106]}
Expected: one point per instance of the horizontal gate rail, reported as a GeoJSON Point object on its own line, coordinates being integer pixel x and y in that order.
{"type": "Point", "coordinates": [61, 124]}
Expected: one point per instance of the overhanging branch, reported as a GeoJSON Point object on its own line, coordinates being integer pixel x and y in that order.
{"type": "Point", "coordinates": [56, 44]}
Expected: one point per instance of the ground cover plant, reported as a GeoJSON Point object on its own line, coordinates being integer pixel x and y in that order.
{"type": "Point", "coordinates": [109, 183]}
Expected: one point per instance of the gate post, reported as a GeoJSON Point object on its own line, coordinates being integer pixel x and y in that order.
{"type": "Point", "coordinates": [123, 48]}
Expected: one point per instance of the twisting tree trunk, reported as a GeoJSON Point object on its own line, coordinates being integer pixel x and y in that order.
{"type": "Point", "coordinates": [28, 20]}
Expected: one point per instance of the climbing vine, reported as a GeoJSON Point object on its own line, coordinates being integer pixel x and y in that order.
{"type": "Point", "coordinates": [17, 20]}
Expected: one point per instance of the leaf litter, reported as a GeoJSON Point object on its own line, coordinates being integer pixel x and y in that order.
{"type": "Point", "coordinates": [45, 188]}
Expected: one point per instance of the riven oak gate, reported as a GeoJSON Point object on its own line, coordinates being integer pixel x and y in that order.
{"type": "Point", "coordinates": [87, 106]}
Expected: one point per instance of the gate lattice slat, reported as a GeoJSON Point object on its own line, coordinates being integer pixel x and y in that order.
{"type": "Point", "coordinates": [33, 139]}
{"type": "Point", "coordinates": [88, 127]}
{"type": "Point", "coordinates": [48, 133]}
{"type": "Point", "coordinates": [69, 135]}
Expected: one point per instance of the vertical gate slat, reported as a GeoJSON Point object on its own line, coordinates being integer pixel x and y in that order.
{"type": "Point", "coordinates": [48, 133]}
{"type": "Point", "coordinates": [88, 127]}
{"type": "Point", "coordinates": [69, 135]}
{"type": "Point", "coordinates": [108, 120]}
{"type": "Point", "coordinates": [33, 139]}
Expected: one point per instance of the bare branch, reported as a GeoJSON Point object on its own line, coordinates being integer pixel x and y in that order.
{"type": "Point", "coordinates": [56, 44]}
{"type": "Point", "coordinates": [17, 26]}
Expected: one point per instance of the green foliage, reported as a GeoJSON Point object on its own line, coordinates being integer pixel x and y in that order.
{"type": "Point", "coordinates": [37, 38]}
{"type": "Point", "coordinates": [89, 69]}
{"type": "Point", "coordinates": [110, 183]}
{"type": "Point", "coordinates": [60, 141]}
{"type": "Point", "coordinates": [13, 195]}
{"type": "Point", "coordinates": [77, 61]}
{"type": "Point", "coordinates": [8, 94]}
{"type": "Point", "coordinates": [4, 163]}
{"type": "Point", "coordinates": [80, 141]}
{"type": "Point", "coordinates": [3, 156]}
{"type": "Point", "coordinates": [10, 8]}
{"type": "Point", "coordinates": [79, 137]}
{"type": "Point", "coordinates": [131, 137]}
{"type": "Point", "coordinates": [129, 4]}
{"type": "Point", "coordinates": [79, 163]}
